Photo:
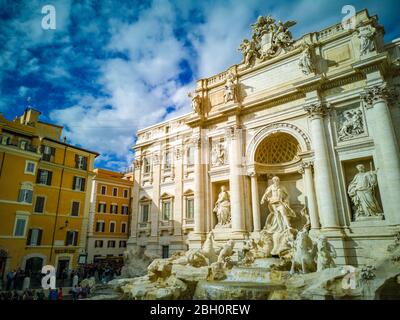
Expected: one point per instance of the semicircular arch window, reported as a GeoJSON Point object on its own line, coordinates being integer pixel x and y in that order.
{"type": "Point", "coordinates": [278, 148]}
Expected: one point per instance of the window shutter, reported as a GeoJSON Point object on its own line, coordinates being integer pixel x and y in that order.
{"type": "Point", "coordinates": [83, 184]}
{"type": "Point", "coordinates": [99, 208]}
{"type": "Point", "coordinates": [21, 195]}
{"type": "Point", "coordinates": [85, 163]}
{"type": "Point", "coordinates": [67, 238]}
{"type": "Point", "coordinates": [39, 241]}
{"type": "Point", "coordinates": [76, 161]}
{"type": "Point", "coordinates": [74, 183]}
{"type": "Point", "coordinates": [53, 151]}
{"type": "Point", "coordinates": [29, 196]}
{"type": "Point", "coordinates": [49, 178]}
{"type": "Point", "coordinates": [116, 209]}
{"type": "Point", "coordinates": [28, 240]}
{"type": "Point", "coordinates": [75, 238]}
{"type": "Point", "coordinates": [39, 173]}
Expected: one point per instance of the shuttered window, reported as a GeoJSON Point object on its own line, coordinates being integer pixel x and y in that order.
{"type": "Point", "coordinates": [39, 204]}
{"type": "Point", "coordinates": [44, 177]}
{"type": "Point", "coordinates": [34, 237]}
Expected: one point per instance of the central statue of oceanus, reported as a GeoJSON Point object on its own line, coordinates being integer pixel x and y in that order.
{"type": "Point", "coordinates": [278, 223]}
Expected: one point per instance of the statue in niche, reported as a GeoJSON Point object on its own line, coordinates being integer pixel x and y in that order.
{"type": "Point", "coordinates": [278, 221]}
{"type": "Point", "coordinates": [366, 35]}
{"type": "Point", "coordinates": [306, 62]}
{"type": "Point", "coordinates": [230, 89]}
{"type": "Point", "coordinates": [223, 209]}
{"type": "Point", "coordinates": [218, 154]}
{"type": "Point", "coordinates": [362, 193]}
{"type": "Point", "coordinates": [352, 124]}
{"type": "Point", "coordinates": [196, 102]}
{"type": "Point", "coordinates": [325, 254]}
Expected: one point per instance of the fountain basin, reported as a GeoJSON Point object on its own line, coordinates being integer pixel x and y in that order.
{"type": "Point", "coordinates": [235, 290]}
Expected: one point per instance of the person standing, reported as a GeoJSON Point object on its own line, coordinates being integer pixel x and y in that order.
{"type": "Point", "coordinates": [60, 294]}
{"type": "Point", "coordinates": [27, 282]}
{"type": "Point", "coordinates": [10, 280]}
{"type": "Point", "coordinates": [75, 280]}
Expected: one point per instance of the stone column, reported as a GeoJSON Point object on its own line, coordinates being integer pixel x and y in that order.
{"type": "Point", "coordinates": [199, 222]}
{"type": "Point", "coordinates": [387, 150]}
{"type": "Point", "coordinates": [234, 135]}
{"type": "Point", "coordinates": [311, 201]}
{"type": "Point", "coordinates": [155, 208]}
{"type": "Point", "coordinates": [255, 199]}
{"type": "Point", "coordinates": [323, 172]}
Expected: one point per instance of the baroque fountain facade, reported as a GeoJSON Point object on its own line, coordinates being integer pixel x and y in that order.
{"type": "Point", "coordinates": [282, 183]}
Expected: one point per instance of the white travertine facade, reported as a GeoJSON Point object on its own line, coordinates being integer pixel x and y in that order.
{"type": "Point", "coordinates": [308, 111]}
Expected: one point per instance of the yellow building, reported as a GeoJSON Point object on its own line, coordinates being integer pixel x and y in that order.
{"type": "Point", "coordinates": [109, 215]}
{"type": "Point", "coordinates": [45, 188]}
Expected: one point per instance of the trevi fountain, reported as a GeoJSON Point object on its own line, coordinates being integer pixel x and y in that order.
{"type": "Point", "coordinates": [289, 169]}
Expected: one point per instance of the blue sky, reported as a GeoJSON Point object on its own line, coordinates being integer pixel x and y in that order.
{"type": "Point", "coordinates": [113, 67]}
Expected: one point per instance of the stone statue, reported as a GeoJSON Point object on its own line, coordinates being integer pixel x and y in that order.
{"type": "Point", "coordinates": [366, 34]}
{"type": "Point", "coordinates": [218, 154]}
{"type": "Point", "coordinates": [230, 89]}
{"type": "Point", "coordinates": [196, 102]}
{"type": "Point", "coordinates": [223, 209]}
{"type": "Point", "coordinates": [278, 221]}
{"type": "Point", "coordinates": [248, 50]}
{"type": "Point", "coordinates": [226, 252]}
{"type": "Point", "coordinates": [303, 253]}
{"type": "Point", "coordinates": [352, 125]}
{"type": "Point", "coordinates": [267, 41]}
{"type": "Point", "coordinates": [248, 251]}
{"type": "Point", "coordinates": [306, 62]}
{"type": "Point", "coordinates": [362, 193]}
{"type": "Point", "coordinates": [325, 254]}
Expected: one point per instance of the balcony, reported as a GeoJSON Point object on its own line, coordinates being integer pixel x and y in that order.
{"type": "Point", "coordinates": [144, 227]}
{"type": "Point", "coordinates": [166, 225]}
{"type": "Point", "coordinates": [24, 147]}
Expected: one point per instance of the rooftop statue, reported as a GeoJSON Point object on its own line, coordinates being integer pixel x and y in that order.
{"type": "Point", "coordinates": [269, 38]}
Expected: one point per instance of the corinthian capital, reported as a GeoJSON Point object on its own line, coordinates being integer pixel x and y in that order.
{"type": "Point", "coordinates": [316, 109]}
{"type": "Point", "coordinates": [378, 93]}
{"type": "Point", "coordinates": [196, 140]}
{"type": "Point", "coordinates": [232, 132]}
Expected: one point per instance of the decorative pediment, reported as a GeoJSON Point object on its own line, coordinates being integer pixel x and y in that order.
{"type": "Point", "coordinates": [166, 195]}
{"type": "Point", "coordinates": [144, 199]}
{"type": "Point", "coordinates": [188, 192]}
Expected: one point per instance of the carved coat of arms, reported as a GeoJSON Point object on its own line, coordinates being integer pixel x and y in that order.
{"type": "Point", "coordinates": [269, 38]}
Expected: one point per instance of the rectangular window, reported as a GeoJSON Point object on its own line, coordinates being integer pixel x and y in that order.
{"type": "Point", "coordinates": [145, 212]}
{"type": "Point", "coordinates": [167, 165]}
{"type": "Point", "coordinates": [146, 165]}
{"type": "Point", "coordinates": [71, 238]}
{"type": "Point", "coordinates": [34, 237]}
{"type": "Point", "coordinates": [30, 167]}
{"type": "Point", "coordinates": [75, 208]}
{"type": "Point", "coordinates": [103, 189]}
{"type": "Point", "coordinates": [112, 226]}
{"type": "Point", "coordinates": [25, 195]}
{"type": "Point", "coordinates": [39, 204]}
{"type": "Point", "coordinates": [123, 227]}
{"type": "Point", "coordinates": [111, 244]}
{"type": "Point", "coordinates": [165, 252]}
{"type": "Point", "coordinates": [126, 193]}
{"type": "Point", "coordinates": [189, 208]}
{"type": "Point", "coordinates": [115, 192]}
{"type": "Point", "coordinates": [80, 162]}
{"type": "Point", "coordinates": [98, 244]}
{"type": "Point", "coordinates": [78, 184]}
{"type": "Point", "coordinates": [102, 208]}
{"type": "Point", "coordinates": [114, 209]}
{"type": "Point", "coordinates": [48, 153]}
{"type": "Point", "coordinates": [122, 244]}
{"type": "Point", "coordinates": [20, 225]}
{"type": "Point", "coordinates": [100, 225]}
{"type": "Point", "coordinates": [166, 210]}
{"type": "Point", "coordinates": [125, 210]}
{"type": "Point", "coordinates": [44, 177]}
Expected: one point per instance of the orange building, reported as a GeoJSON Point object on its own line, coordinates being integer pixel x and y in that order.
{"type": "Point", "coordinates": [45, 187]}
{"type": "Point", "coordinates": [109, 215]}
